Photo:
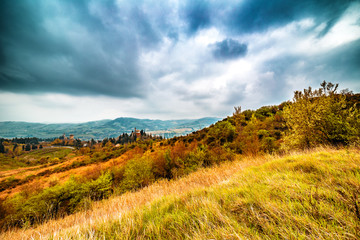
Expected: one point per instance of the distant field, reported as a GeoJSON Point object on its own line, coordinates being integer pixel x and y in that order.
{"type": "Point", "coordinates": [32, 158]}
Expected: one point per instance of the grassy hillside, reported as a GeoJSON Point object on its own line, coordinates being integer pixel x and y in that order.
{"type": "Point", "coordinates": [62, 186]}
{"type": "Point", "coordinates": [297, 197]}
{"type": "Point", "coordinates": [310, 195]}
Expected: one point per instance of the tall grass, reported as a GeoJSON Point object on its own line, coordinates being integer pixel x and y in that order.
{"type": "Point", "coordinates": [313, 195]}
{"type": "Point", "coordinates": [115, 206]}
{"type": "Point", "coordinates": [297, 197]}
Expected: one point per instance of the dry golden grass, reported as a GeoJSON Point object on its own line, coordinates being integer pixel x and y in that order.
{"type": "Point", "coordinates": [307, 196]}
{"type": "Point", "coordinates": [59, 177]}
{"type": "Point", "coordinates": [13, 172]}
{"type": "Point", "coordinates": [22, 173]}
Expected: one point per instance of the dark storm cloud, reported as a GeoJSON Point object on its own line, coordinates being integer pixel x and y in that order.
{"type": "Point", "coordinates": [259, 15]}
{"type": "Point", "coordinates": [197, 15]}
{"type": "Point", "coordinates": [228, 49]}
{"type": "Point", "coordinates": [62, 46]}
{"type": "Point", "coordinates": [339, 65]}
{"type": "Point", "coordinates": [93, 47]}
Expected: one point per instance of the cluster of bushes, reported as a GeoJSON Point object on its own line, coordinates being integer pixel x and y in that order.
{"type": "Point", "coordinates": [95, 156]}
{"type": "Point", "coordinates": [17, 155]}
{"type": "Point", "coordinates": [67, 142]}
{"type": "Point", "coordinates": [8, 183]}
{"type": "Point", "coordinates": [171, 163]}
{"type": "Point", "coordinates": [174, 162]}
{"type": "Point", "coordinates": [77, 193]}
{"type": "Point", "coordinates": [248, 132]}
{"type": "Point", "coordinates": [59, 200]}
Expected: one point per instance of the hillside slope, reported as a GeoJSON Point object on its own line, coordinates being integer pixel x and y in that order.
{"type": "Point", "coordinates": [56, 189]}
{"type": "Point", "coordinates": [308, 195]}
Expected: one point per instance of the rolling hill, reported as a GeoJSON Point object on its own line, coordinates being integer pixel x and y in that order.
{"type": "Point", "coordinates": [103, 128]}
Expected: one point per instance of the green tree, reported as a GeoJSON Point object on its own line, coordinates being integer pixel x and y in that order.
{"type": "Point", "coordinates": [27, 147]}
{"type": "Point", "coordinates": [77, 143]}
{"type": "Point", "coordinates": [321, 117]}
{"type": "Point", "coordinates": [2, 148]}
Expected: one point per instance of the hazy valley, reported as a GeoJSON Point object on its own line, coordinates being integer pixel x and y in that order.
{"type": "Point", "coordinates": [103, 128]}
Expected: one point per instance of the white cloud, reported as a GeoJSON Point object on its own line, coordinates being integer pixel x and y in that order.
{"type": "Point", "coordinates": [345, 30]}
{"type": "Point", "coordinates": [63, 108]}
{"type": "Point", "coordinates": [185, 74]}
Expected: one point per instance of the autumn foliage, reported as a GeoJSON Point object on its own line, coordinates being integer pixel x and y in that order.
{"type": "Point", "coordinates": [112, 167]}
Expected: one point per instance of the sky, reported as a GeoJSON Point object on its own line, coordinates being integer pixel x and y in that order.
{"type": "Point", "coordinates": [85, 60]}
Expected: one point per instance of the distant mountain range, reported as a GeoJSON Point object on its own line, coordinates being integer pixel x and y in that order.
{"type": "Point", "coordinates": [103, 128]}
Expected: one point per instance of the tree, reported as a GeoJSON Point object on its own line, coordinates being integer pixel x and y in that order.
{"type": "Point", "coordinates": [77, 143]}
{"type": "Point", "coordinates": [2, 148]}
{"type": "Point", "coordinates": [104, 141]}
{"type": "Point", "coordinates": [321, 117]}
{"type": "Point", "coordinates": [27, 147]}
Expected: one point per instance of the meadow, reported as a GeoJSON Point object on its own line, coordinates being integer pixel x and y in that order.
{"type": "Point", "coordinates": [304, 195]}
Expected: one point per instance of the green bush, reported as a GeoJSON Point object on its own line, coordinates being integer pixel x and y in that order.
{"type": "Point", "coordinates": [138, 173]}
{"type": "Point", "coordinates": [99, 188]}
{"type": "Point", "coordinates": [268, 145]}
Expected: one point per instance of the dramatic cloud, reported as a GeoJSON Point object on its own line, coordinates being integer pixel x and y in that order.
{"type": "Point", "coordinates": [229, 49]}
{"type": "Point", "coordinates": [197, 14]}
{"type": "Point", "coordinates": [260, 15]}
{"type": "Point", "coordinates": [72, 47]}
{"type": "Point", "coordinates": [65, 60]}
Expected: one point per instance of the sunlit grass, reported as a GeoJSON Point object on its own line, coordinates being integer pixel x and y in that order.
{"type": "Point", "coordinates": [312, 195]}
